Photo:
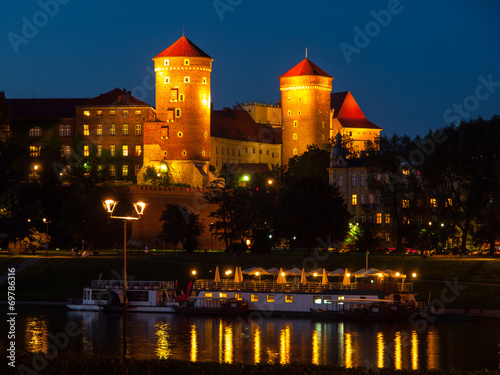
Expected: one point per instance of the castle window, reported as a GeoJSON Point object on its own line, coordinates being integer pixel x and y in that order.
{"type": "Point", "coordinates": [387, 218]}
{"type": "Point", "coordinates": [362, 218]}
{"type": "Point", "coordinates": [86, 113]}
{"type": "Point", "coordinates": [86, 130]}
{"type": "Point", "coordinates": [138, 129]}
{"type": "Point", "coordinates": [187, 79]}
{"type": "Point", "coordinates": [289, 112]}
{"type": "Point", "coordinates": [363, 181]}
{"type": "Point", "coordinates": [181, 97]}
{"type": "Point", "coordinates": [354, 199]}
{"type": "Point", "coordinates": [295, 136]}
{"type": "Point", "coordinates": [99, 113]}
{"type": "Point", "coordinates": [177, 112]}
{"type": "Point", "coordinates": [295, 151]}
{"type": "Point", "coordinates": [166, 62]}
{"type": "Point", "coordinates": [299, 112]}
{"type": "Point", "coordinates": [184, 153]}
{"type": "Point", "coordinates": [204, 80]}
{"type": "Point", "coordinates": [125, 170]}
{"type": "Point", "coordinates": [35, 132]}
{"type": "Point", "coordinates": [167, 79]}
{"type": "Point", "coordinates": [64, 130]}
{"type": "Point", "coordinates": [99, 150]}
{"type": "Point", "coordinates": [138, 150]}
{"type": "Point", "coordinates": [124, 129]}
{"type": "Point", "coordinates": [125, 150]}
{"type": "Point", "coordinates": [137, 169]}
{"type": "Point", "coordinates": [99, 129]}
{"type": "Point", "coordinates": [217, 150]}
{"type": "Point", "coordinates": [363, 199]}
{"type": "Point", "coordinates": [186, 61]}
{"type": "Point", "coordinates": [350, 134]}
{"type": "Point", "coordinates": [253, 150]}
{"type": "Point", "coordinates": [138, 112]}
{"type": "Point", "coordinates": [35, 151]}
{"type": "Point", "coordinates": [86, 150]}
{"type": "Point", "coordinates": [112, 113]}
{"type": "Point", "coordinates": [323, 137]}
{"type": "Point", "coordinates": [433, 203]}
{"type": "Point", "coordinates": [112, 129]}
{"type": "Point", "coordinates": [125, 112]}
{"type": "Point", "coordinates": [295, 123]}
{"type": "Point", "coordinates": [180, 134]}
{"type": "Point", "coordinates": [66, 151]}
{"type": "Point", "coordinates": [323, 124]}
{"type": "Point", "coordinates": [246, 150]}
{"type": "Point", "coordinates": [354, 180]}
{"type": "Point", "coordinates": [174, 94]}
{"type": "Point", "coordinates": [206, 134]}
{"type": "Point", "coordinates": [289, 99]}
{"type": "Point", "coordinates": [203, 153]}
{"type": "Point", "coordinates": [370, 198]}
{"type": "Point", "coordinates": [379, 218]}
{"type": "Point", "coordinates": [341, 181]}
{"type": "Point", "coordinates": [112, 170]}
{"type": "Point", "coordinates": [267, 152]}
{"type": "Point", "coordinates": [370, 217]}
{"type": "Point", "coordinates": [405, 203]}
{"type": "Point", "coordinates": [112, 150]}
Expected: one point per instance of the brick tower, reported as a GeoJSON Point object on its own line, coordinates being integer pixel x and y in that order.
{"type": "Point", "coordinates": [180, 138]}
{"type": "Point", "coordinates": [305, 99]}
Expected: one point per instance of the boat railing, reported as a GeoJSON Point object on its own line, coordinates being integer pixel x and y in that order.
{"type": "Point", "coordinates": [405, 287]}
{"type": "Point", "coordinates": [271, 286]}
{"type": "Point", "coordinates": [118, 284]}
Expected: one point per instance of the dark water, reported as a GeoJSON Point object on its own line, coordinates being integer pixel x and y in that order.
{"type": "Point", "coordinates": [446, 345]}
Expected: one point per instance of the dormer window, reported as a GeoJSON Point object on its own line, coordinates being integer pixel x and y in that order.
{"type": "Point", "coordinates": [187, 79]}
{"type": "Point", "coordinates": [186, 61]}
{"type": "Point", "coordinates": [166, 62]}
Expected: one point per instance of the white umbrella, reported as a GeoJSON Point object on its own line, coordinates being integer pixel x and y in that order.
{"type": "Point", "coordinates": [337, 272]}
{"type": "Point", "coordinates": [394, 274]}
{"type": "Point", "coordinates": [217, 275]}
{"type": "Point", "coordinates": [303, 279]}
{"type": "Point", "coordinates": [248, 270]}
{"type": "Point", "coordinates": [347, 278]}
{"type": "Point", "coordinates": [376, 272]}
{"type": "Point", "coordinates": [273, 271]}
{"type": "Point", "coordinates": [359, 273]}
{"type": "Point", "coordinates": [294, 272]}
{"type": "Point", "coordinates": [318, 271]}
{"type": "Point", "coordinates": [281, 277]}
{"type": "Point", "coordinates": [237, 275]}
{"type": "Point", "coordinates": [259, 270]}
{"type": "Point", "coordinates": [241, 275]}
{"type": "Point", "coordinates": [324, 279]}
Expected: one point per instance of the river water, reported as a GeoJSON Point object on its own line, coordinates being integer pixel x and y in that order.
{"type": "Point", "coordinates": [461, 345]}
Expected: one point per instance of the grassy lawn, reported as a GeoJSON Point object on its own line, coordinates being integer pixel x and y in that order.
{"type": "Point", "coordinates": [58, 278]}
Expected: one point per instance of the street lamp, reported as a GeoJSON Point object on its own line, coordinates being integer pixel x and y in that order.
{"type": "Point", "coordinates": [109, 206]}
{"type": "Point", "coordinates": [47, 221]}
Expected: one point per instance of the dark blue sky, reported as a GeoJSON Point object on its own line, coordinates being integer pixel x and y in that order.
{"type": "Point", "coordinates": [407, 76]}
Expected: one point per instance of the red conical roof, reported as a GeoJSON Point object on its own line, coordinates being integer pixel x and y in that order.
{"type": "Point", "coordinates": [306, 68]}
{"type": "Point", "coordinates": [183, 47]}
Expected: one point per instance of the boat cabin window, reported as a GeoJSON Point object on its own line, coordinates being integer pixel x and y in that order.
{"type": "Point", "coordinates": [317, 300]}
{"type": "Point", "coordinates": [327, 299]}
{"type": "Point", "coordinates": [208, 294]}
{"type": "Point", "coordinates": [254, 298]}
{"type": "Point", "coordinates": [137, 295]}
{"type": "Point", "coordinates": [223, 295]}
{"type": "Point", "coordinates": [341, 298]}
{"type": "Point", "coordinates": [270, 298]}
{"type": "Point", "coordinates": [288, 298]}
{"type": "Point", "coordinates": [238, 296]}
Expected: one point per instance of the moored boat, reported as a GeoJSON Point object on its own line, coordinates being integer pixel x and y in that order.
{"type": "Point", "coordinates": [212, 306]}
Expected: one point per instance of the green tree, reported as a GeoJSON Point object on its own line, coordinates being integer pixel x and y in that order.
{"type": "Point", "coordinates": [362, 238]}
{"type": "Point", "coordinates": [181, 225]}
{"type": "Point", "coordinates": [154, 178]}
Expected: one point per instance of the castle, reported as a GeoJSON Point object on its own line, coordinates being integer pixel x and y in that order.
{"type": "Point", "coordinates": [183, 136]}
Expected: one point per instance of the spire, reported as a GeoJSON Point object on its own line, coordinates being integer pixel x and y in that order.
{"type": "Point", "coordinates": [306, 53]}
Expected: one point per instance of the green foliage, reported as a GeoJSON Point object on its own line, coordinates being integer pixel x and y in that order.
{"type": "Point", "coordinates": [35, 241]}
{"type": "Point", "coordinates": [362, 237]}
{"type": "Point", "coordinates": [154, 178]}
{"type": "Point", "coordinates": [181, 225]}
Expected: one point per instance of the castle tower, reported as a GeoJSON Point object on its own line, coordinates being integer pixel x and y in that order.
{"type": "Point", "coordinates": [305, 99]}
{"type": "Point", "coordinates": [180, 138]}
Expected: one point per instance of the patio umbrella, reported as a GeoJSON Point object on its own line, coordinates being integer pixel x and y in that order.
{"type": "Point", "coordinates": [217, 275]}
{"type": "Point", "coordinates": [260, 270]}
{"type": "Point", "coordinates": [324, 279]}
{"type": "Point", "coordinates": [337, 272]}
{"type": "Point", "coordinates": [360, 273]}
{"type": "Point", "coordinates": [273, 271]}
{"type": "Point", "coordinates": [281, 277]}
{"type": "Point", "coordinates": [303, 279]}
{"type": "Point", "coordinates": [237, 275]}
{"type": "Point", "coordinates": [248, 270]}
{"type": "Point", "coordinates": [394, 274]}
{"type": "Point", "coordinates": [347, 279]}
{"type": "Point", "coordinates": [318, 271]}
{"type": "Point", "coordinates": [294, 272]}
{"type": "Point", "coordinates": [241, 275]}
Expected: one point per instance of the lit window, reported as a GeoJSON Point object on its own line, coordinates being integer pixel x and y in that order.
{"type": "Point", "coordinates": [35, 151]}
{"type": "Point", "coordinates": [86, 130]}
{"type": "Point", "coordinates": [138, 112]}
{"type": "Point", "coordinates": [112, 170]}
{"type": "Point", "coordinates": [238, 296]}
{"type": "Point", "coordinates": [406, 171]}
{"type": "Point", "coordinates": [125, 150]}
{"type": "Point", "coordinates": [186, 61]}
{"type": "Point", "coordinates": [184, 153]}
{"type": "Point", "coordinates": [179, 134]}
{"type": "Point", "coordinates": [35, 132]}
{"type": "Point", "coordinates": [270, 298]}
{"type": "Point", "coordinates": [138, 150]}
{"type": "Point", "coordinates": [137, 169]}
{"type": "Point", "coordinates": [125, 112]}
{"type": "Point", "coordinates": [387, 218]}
{"type": "Point", "coordinates": [206, 135]}
{"type": "Point", "coordinates": [387, 237]}
{"type": "Point", "coordinates": [177, 112]}
{"type": "Point", "coordinates": [299, 112]}
{"type": "Point", "coordinates": [124, 129]}
{"type": "Point", "coordinates": [363, 180]}
{"type": "Point", "coordinates": [112, 129]}
{"type": "Point", "coordinates": [64, 130]}
{"type": "Point", "coordinates": [317, 300]}
{"type": "Point", "coordinates": [354, 180]}
{"type": "Point", "coordinates": [354, 200]}
{"type": "Point", "coordinates": [138, 129]}
{"type": "Point", "coordinates": [223, 295]}
{"type": "Point", "coordinates": [86, 113]}
{"type": "Point", "coordinates": [406, 203]}
{"type": "Point", "coordinates": [254, 298]}
{"type": "Point", "coordinates": [86, 151]}
{"type": "Point", "coordinates": [112, 150]}
{"type": "Point", "coordinates": [370, 198]}
{"type": "Point", "coordinates": [434, 202]}
{"type": "Point", "coordinates": [112, 113]}
{"type": "Point", "coordinates": [295, 136]}
{"type": "Point", "coordinates": [187, 79]}
{"type": "Point", "coordinates": [379, 218]}
{"type": "Point", "coordinates": [99, 150]}
{"type": "Point", "coordinates": [208, 294]}
{"type": "Point", "coordinates": [99, 129]}
{"type": "Point", "coordinates": [99, 113]}
{"type": "Point", "coordinates": [288, 298]}
{"type": "Point", "coordinates": [125, 170]}
{"type": "Point", "coordinates": [166, 62]}
{"type": "Point", "coordinates": [181, 97]}
{"type": "Point", "coordinates": [295, 151]}
{"type": "Point", "coordinates": [167, 79]}
{"type": "Point", "coordinates": [204, 80]}
{"type": "Point", "coordinates": [295, 124]}
{"type": "Point", "coordinates": [66, 151]}
{"type": "Point", "coordinates": [449, 202]}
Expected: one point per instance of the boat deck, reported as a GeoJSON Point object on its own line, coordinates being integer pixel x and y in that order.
{"type": "Point", "coordinates": [142, 285]}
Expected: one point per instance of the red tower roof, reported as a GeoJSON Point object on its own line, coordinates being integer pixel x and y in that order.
{"type": "Point", "coordinates": [306, 68]}
{"type": "Point", "coordinates": [183, 47]}
{"type": "Point", "coordinates": [347, 111]}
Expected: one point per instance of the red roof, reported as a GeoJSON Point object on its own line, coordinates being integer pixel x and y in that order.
{"type": "Point", "coordinates": [239, 125]}
{"type": "Point", "coordinates": [347, 111]}
{"type": "Point", "coordinates": [183, 47]}
{"type": "Point", "coordinates": [306, 68]}
{"type": "Point", "coordinates": [115, 97]}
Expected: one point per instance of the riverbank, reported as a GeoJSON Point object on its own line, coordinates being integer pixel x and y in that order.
{"type": "Point", "coordinates": [86, 364]}
{"type": "Point", "coordinates": [58, 278]}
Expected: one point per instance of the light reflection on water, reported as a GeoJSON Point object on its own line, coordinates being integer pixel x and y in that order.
{"type": "Point", "coordinates": [276, 340]}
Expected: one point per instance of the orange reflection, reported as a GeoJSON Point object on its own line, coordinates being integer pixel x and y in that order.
{"type": "Point", "coordinates": [194, 343]}
{"type": "Point", "coordinates": [37, 335]}
{"type": "Point", "coordinates": [163, 350]}
{"type": "Point", "coordinates": [397, 351]}
{"type": "Point", "coordinates": [285, 345]}
{"type": "Point", "coordinates": [380, 349]}
{"type": "Point", "coordinates": [256, 344]}
{"type": "Point", "coordinates": [414, 350]}
{"type": "Point", "coordinates": [432, 350]}
{"type": "Point", "coordinates": [228, 344]}
{"type": "Point", "coordinates": [315, 348]}
{"type": "Point", "coordinates": [221, 336]}
{"type": "Point", "coordinates": [348, 350]}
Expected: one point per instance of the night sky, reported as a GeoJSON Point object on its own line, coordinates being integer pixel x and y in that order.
{"type": "Point", "coordinates": [413, 63]}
